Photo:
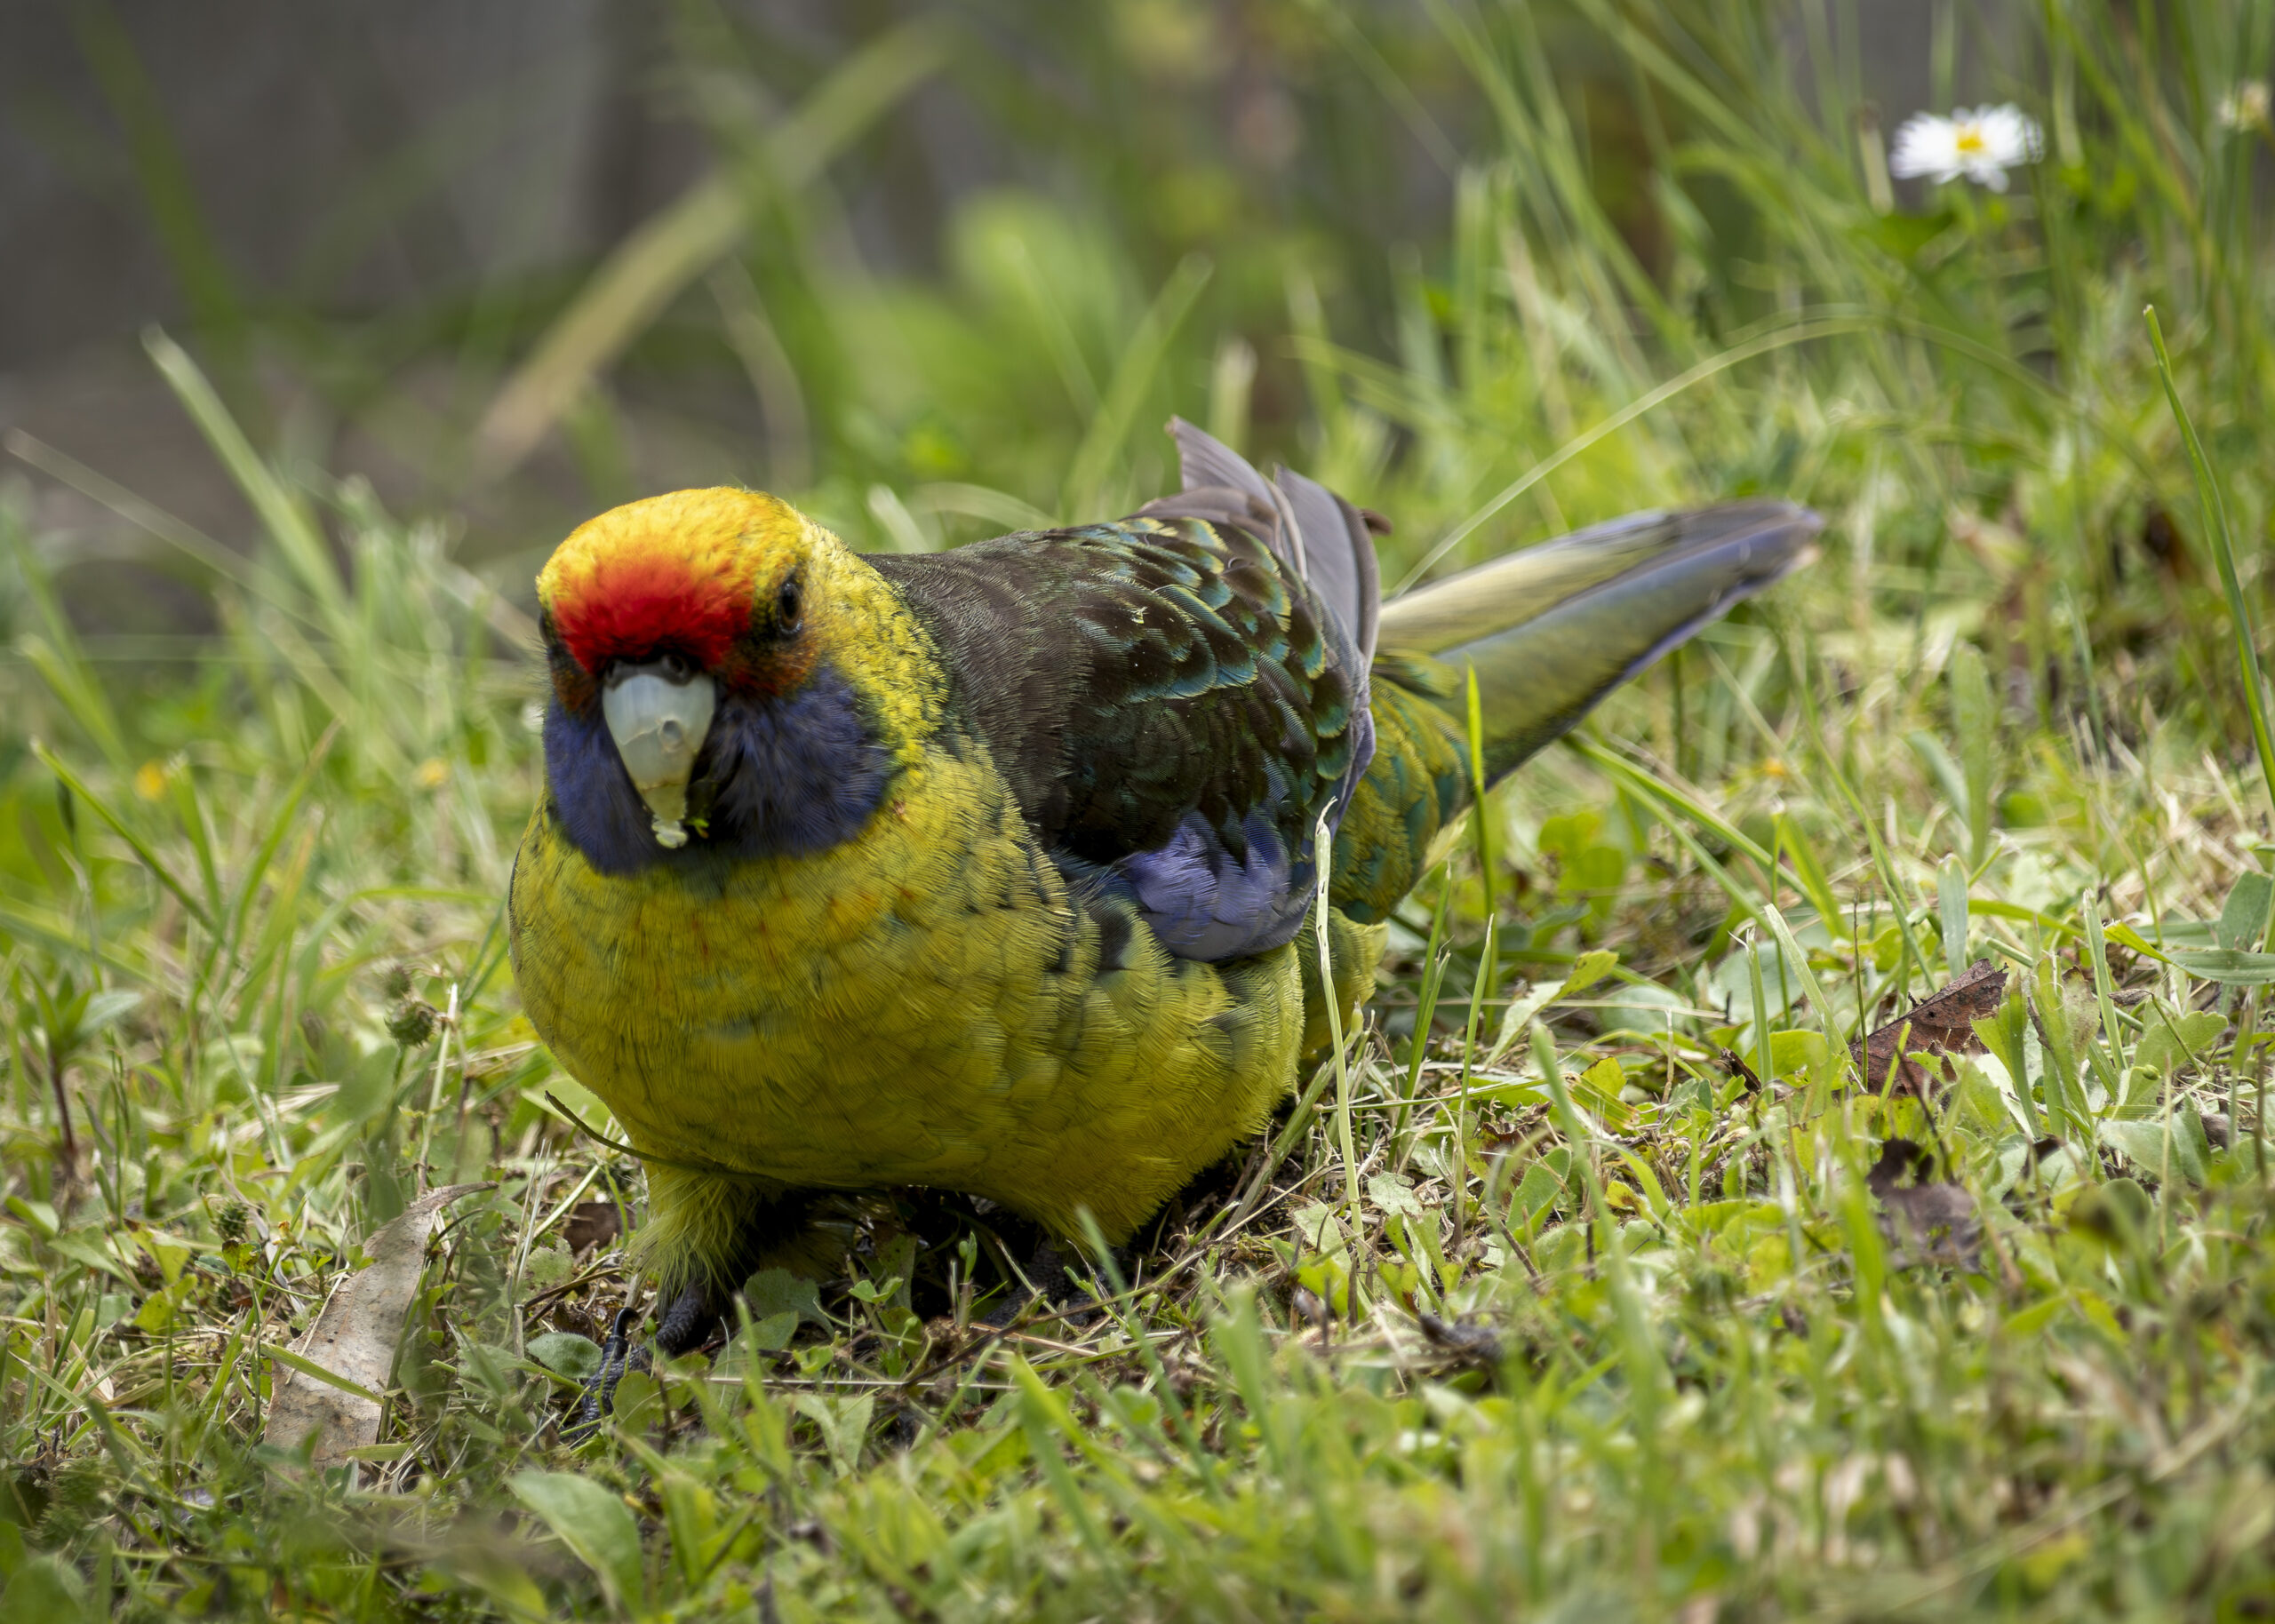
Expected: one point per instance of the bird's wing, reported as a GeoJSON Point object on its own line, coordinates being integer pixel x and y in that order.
{"type": "Point", "coordinates": [1171, 702]}
{"type": "Point", "coordinates": [1309, 529]}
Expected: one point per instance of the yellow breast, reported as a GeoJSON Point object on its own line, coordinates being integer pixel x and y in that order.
{"type": "Point", "coordinates": [922, 1004]}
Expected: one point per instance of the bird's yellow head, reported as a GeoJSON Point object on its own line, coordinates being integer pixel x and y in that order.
{"type": "Point", "coordinates": [716, 675]}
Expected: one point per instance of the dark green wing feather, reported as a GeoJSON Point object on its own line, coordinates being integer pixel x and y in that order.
{"type": "Point", "coordinates": [1168, 701]}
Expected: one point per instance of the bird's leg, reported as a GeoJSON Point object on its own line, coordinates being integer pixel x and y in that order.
{"type": "Point", "coordinates": [1046, 1271]}
{"type": "Point", "coordinates": [1047, 1268]}
{"type": "Point", "coordinates": [695, 1312]}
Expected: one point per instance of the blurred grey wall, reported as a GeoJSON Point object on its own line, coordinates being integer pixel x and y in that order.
{"type": "Point", "coordinates": [338, 152]}
{"type": "Point", "coordinates": [355, 153]}
{"type": "Point", "coordinates": [205, 163]}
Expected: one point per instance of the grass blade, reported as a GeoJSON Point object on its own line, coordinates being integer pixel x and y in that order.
{"type": "Point", "coordinates": [1133, 380]}
{"type": "Point", "coordinates": [159, 869]}
{"type": "Point", "coordinates": [2220, 537]}
{"type": "Point", "coordinates": [671, 250]}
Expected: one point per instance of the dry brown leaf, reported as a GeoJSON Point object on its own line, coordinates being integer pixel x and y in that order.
{"type": "Point", "coordinates": [1940, 1023]}
{"type": "Point", "coordinates": [593, 1224]}
{"type": "Point", "coordinates": [355, 1339]}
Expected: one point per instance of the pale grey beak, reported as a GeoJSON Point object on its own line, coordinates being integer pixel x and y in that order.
{"type": "Point", "coordinates": [658, 725]}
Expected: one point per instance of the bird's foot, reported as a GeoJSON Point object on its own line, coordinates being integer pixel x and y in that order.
{"type": "Point", "coordinates": [686, 1324]}
{"type": "Point", "coordinates": [619, 1354]}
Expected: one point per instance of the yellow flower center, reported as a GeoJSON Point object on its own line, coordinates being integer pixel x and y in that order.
{"type": "Point", "coordinates": [1969, 140]}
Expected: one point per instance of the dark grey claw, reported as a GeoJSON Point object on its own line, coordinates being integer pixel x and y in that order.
{"type": "Point", "coordinates": [619, 1354]}
{"type": "Point", "coordinates": [687, 1324]}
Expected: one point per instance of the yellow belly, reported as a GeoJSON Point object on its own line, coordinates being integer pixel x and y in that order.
{"type": "Point", "coordinates": [922, 1004]}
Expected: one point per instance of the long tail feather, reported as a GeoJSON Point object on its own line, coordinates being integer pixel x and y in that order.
{"type": "Point", "coordinates": [1553, 629]}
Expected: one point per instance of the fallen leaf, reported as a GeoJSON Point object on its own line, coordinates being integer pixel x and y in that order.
{"type": "Point", "coordinates": [1940, 1023]}
{"type": "Point", "coordinates": [1734, 1063]}
{"type": "Point", "coordinates": [1934, 1219]}
{"type": "Point", "coordinates": [355, 1340]}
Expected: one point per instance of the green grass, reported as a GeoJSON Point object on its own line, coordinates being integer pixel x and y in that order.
{"type": "Point", "coordinates": [1595, 1327]}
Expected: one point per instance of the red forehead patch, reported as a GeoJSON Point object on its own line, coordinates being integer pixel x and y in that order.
{"type": "Point", "coordinates": [671, 574]}
{"type": "Point", "coordinates": [632, 607]}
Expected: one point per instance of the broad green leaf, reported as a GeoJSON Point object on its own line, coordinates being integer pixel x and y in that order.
{"type": "Point", "coordinates": [1394, 1194]}
{"type": "Point", "coordinates": [591, 1523]}
{"type": "Point", "coordinates": [44, 1590]}
{"type": "Point", "coordinates": [2243, 917]}
{"type": "Point", "coordinates": [1797, 1053]}
{"type": "Point", "coordinates": [565, 1353]}
{"type": "Point", "coordinates": [1589, 968]}
{"type": "Point", "coordinates": [38, 1214]}
{"type": "Point", "coordinates": [844, 1425]}
{"type": "Point", "coordinates": [775, 1291]}
{"type": "Point", "coordinates": [1599, 1085]}
{"type": "Point", "coordinates": [2126, 937]}
{"type": "Point", "coordinates": [2145, 1143]}
{"type": "Point", "coordinates": [637, 1402]}
{"type": "Point", "coordinates": [545, 1267]}
{"type": "Point", "coordinates": [2227, 966]}
{"type": "Point", "coordinates": [2169, 1042]}
{"type": "Point", "coordinates": [1782, 983]}
{"type": "Point", "coordinates": [772, 1334]}
{"type": "Point", "coordinates": [105, 1007]}
{"type": "Point", "coordinates": [1951, 907]}
{"type": "Point", "coordinates": [169, 1252]}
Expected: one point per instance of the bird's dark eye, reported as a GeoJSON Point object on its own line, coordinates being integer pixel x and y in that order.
{"type": "Point", "coordinates": [787, 606]}
{"type": "Point", "coordinates": [676, 668]}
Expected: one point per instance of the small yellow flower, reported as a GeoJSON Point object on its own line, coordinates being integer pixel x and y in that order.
{"type": "Point", "coordinates": [432, 773]}
{"type": "Point", "coordinates": [150, 780]}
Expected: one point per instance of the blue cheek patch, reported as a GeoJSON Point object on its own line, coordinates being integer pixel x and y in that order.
{"type": "Point", "coordinates": [794, 775]}
{"type": "Point", "coordinates": [599, 811]}
{"type": "Point", "coordinates": [789, 776]}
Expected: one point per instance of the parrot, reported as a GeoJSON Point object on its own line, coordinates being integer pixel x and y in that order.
{"type": "Point", "coordinates": [993, 869]}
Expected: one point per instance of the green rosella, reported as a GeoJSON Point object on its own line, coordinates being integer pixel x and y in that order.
{"type": "Point", "coordinates": [990, 870]}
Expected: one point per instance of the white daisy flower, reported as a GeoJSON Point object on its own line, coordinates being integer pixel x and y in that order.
{"type": "Point", "coordinates": [1981, 143]}
{"type": "Point", "coordinates": [2246, 106]}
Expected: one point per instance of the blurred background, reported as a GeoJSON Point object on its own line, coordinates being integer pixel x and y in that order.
{"type": "Point", "coordinates": [324, 323]}
{"type": "Point", "coordinates": [937, 270]}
